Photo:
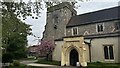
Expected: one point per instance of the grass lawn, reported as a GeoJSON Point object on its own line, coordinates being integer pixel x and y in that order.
{"type": "Point", "coordinates": [90, 65]}
{"type": "Point", "coordinates": [58, 63]}
{"type": "Point", "coordinates": [27, 59]}
{"type": "Point", "coordinates": [24, 67]}
{"type": "Point", "coordinates": [103, 65]}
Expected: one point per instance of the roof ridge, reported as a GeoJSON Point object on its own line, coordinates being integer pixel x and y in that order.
{"type": "Point", "coordinates": [99, 10]}
{"type": "Point", "coordinates": [95, 17]}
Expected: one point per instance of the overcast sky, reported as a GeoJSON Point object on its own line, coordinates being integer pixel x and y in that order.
{"type": "Point", "coordinates": [85, 7]}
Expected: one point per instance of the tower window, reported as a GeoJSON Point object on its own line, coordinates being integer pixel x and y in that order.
{"type": "Point", "coordinates": [100, 27]}
{"type": "Point", "coordinates": [117, 25]}
{"type": "Point", "coordinates": [108, 52]}
{"type": "Point", "coordinates": [55, 26]}
{"type": "Point", "coordinates": [75, 31]}
{"type": "Point", "coordinates": [55, 19]}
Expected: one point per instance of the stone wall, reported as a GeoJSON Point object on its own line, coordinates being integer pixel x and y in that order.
{"type": "Point", "coordinates": [57, 51]}
{"type": "Point", "coordinates": [92, 29]}
{"type": "Point", "coordinates": [97, 49]}
{"type": "Point", "coordinates": [119, 49]}
{"type": "Point", "coordinates": [56, 30]}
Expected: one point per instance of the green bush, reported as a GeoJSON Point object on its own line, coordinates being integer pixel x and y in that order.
{"type": "Point", "coordinates": [7, 58]}
{"type": "Point", "coordinates": [98, 62]}
{"type": "Point", "coordinates": [16, 63]}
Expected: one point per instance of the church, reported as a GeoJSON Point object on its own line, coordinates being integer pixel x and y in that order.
{"type": "Point", "coordinates": [89, 37]}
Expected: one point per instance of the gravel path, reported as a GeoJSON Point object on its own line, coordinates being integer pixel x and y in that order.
{"type": "Point", "coordinates": [32, 63]}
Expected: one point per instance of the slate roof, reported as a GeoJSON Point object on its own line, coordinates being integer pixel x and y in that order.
{"type": "Point", "coordinates": [95, 17]}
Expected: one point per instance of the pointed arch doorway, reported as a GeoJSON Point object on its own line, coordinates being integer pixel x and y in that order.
{"type": "Point", "coordinates": [73, 57]}
{"type": "Point", "coordinates": [73, 51]}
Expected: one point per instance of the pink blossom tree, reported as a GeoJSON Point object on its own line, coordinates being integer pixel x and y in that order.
{"type": "Point", "coordinates": [46, 48]}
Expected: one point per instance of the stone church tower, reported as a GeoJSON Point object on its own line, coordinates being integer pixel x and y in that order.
{"type": "Point", "coordinates": [57, 19]}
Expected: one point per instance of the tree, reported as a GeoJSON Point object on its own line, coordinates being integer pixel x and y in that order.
{"type": "Point", "coordinates": [24, 9]}
{"type": "Point", "coordinates": [14, 32]}
{"type": "Point", "coordinates": [46, 48]}
{"type": "Point", "coordinates": [14, 37]}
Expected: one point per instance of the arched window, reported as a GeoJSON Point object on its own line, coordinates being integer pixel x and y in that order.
{"type": "Point", "coordinates": [100, 27]}
{"type": "Point", "coordinates": [55, 18]}
{"type": "Point", "coordinates": [106, 52]}
{"type": "Point", "coordinates": [111, 52]}
{"type": "Point", "coordinates": [55, 21]}
{"type": "Point", "coordinates": [117, 25]}
{"type": "Point", "coordinates": [75, 31]}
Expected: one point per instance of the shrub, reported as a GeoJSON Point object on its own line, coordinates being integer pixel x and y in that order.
{"type": "Point", "coordinates": [16, 63]}
{"type": "Point", "coordinates": [98, 62]}
{"type": "Point", "coordinates": [7, 58]}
